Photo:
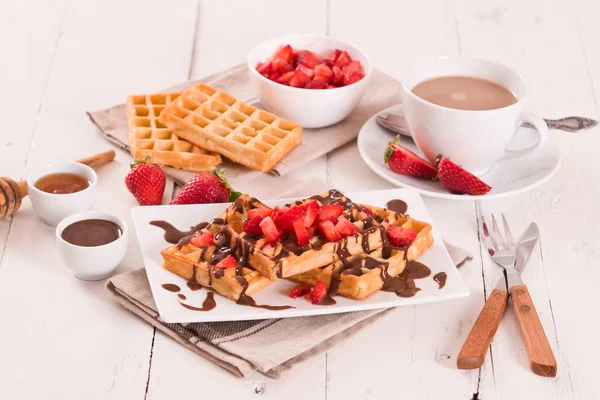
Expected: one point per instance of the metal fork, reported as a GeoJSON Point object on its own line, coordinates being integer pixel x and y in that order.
{"type": "Point", "coordinates": [503, 252]}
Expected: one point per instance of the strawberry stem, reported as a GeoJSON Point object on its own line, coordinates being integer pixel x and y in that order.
{"type": "Point", "coordinates": [137, 161]}
{"type": "Point", "coordinates": [220, 174]}
{"type": "Point", "coordinates": [389, 150]}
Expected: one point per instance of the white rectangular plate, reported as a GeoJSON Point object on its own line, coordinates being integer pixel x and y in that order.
{"type": "Point", "coordinates": [152, 242]}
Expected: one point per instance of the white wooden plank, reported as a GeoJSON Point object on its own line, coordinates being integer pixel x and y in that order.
{"type": "Point", "coordinates": [225, 34]}
{"type": "Point", "coordinates": [62, 327]}
{"type": "Point", "coordinates": [418, 345]}
{"type": "Point", "coordinates": [529, 37]}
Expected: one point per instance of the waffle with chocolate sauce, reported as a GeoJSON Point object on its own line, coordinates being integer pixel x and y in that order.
{"type": "Point", "coordinates": [360, 276]}
{"type": "Point", "coordinates": [285, 258]}
{"type": "Point", "coordinates": [199, 265]}
{"type": "Point", "coordinates": [356, 277]}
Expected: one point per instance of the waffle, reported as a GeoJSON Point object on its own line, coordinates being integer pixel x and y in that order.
{"type": "Point", "coordinates": [357, 277]}
{"type": "Point", "coordinates": [149, 137]}
{"type": "Point", "coordinates": [285, 259]}
{"type": "Point", "coordinates": [236, 213]}
{"type": "Point", "coordinates": [424, 238]}
{"type": "Point", "coordinates": [217, 121]}
{"type": "Point", "coordinates": [193, 263]}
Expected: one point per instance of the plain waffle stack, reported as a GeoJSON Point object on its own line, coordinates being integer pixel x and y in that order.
{"type": "Point", "coordinates": [148, 137]}
{"type": "Point", "coordinates": [217, 121]}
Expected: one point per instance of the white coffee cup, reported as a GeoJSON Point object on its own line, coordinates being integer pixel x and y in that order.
{"type": "Point", "coordinates": [474, 139]}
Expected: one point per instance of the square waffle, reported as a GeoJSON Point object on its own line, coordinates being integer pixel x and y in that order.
{"type": "Point", "coordinates": [197, 264]}
{"type": "Point", "coordinates": [217, 121]}
{"type": "Point", "coordinates": [284, 258]}
{"type": "Point", "coordinates": [149, 137]}
{"type": "Point", "coordinates": [357, 277]}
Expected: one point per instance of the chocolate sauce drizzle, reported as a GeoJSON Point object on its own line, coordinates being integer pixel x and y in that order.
{"type": "Point", "coordinates": [174, 235]}
{"type": "Point", "coordinates": [245, 300]}
{"type": "Point", "coordinates": [208, 304]}
{"type": "Point", "coordinates": [181, 296]}
{"type": "Point", "coordinates": [397, 206]}
{"type": "Point", "coordinates": [440, 278]}
{"type": "Point", "coordinates": [171, 287]}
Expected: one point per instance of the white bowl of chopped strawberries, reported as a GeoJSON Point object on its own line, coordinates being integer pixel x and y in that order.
{"type": "Point", "coordinates": [313, 80]}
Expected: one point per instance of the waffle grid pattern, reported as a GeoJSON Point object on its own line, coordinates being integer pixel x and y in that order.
{"type": "Point", "coordinates": [149, 137]}
{"type": "Point", "coordinates": [221, 123]}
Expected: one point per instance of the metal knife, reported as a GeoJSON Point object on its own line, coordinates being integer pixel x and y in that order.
{"type": "Point", "coordinates": [397, 124]}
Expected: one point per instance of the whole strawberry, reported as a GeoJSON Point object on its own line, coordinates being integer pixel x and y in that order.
{"type": "Point", "coordinates": [458, 180]}
{"type": "Point", "coordinates": [403, 161]}
{"type": "Point", "coordinates": [146, 182]}
{"type": "Point", "coordinates": [206, 187]}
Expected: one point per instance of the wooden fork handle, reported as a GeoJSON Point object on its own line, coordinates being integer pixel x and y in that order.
{"type": "Point", "coordinates": [539, 351]}
{"type": "Point", "coordinates": [472, 355]}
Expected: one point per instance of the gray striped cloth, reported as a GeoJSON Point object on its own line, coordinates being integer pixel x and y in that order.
{"type": "Point", "coordinates": [272, 346]}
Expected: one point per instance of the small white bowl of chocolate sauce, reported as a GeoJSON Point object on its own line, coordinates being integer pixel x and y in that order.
{"type": "Point", "coordinates": [92, 244]}
{"type": "Point", "coordinates": [59, 190]}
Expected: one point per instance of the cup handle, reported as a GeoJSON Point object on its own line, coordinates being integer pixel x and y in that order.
{"type": "Point", "coordinates": [539, 125]}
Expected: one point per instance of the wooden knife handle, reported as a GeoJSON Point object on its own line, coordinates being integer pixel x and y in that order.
{"type": "Point", "coordinates": [472, 354]}
{"type": "Point", "coordinates": [98, 160]}
{"type": "Point", "coordinates": [539, 351]}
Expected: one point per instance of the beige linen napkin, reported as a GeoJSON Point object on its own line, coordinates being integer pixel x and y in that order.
{"type": "Point", "coordinates": [269, 346]}
{"type": "Point", "coordinates": [382, 91]}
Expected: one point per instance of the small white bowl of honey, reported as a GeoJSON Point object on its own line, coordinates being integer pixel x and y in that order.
{"type": "Point", "coordinates": [59, 190]}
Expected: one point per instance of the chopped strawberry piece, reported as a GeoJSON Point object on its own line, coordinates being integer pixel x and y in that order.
{"type": "Point", "coordinates": [324, 70]}
{"type": "Point", "coordinates": [269, 229]}
{"type": "Point", "coordinates": [285, 53]}
{"type": "Point", "coordinates": [304, 74]}
{"type": "Point", "coordinates": [302, 236]}
{"type": "Point", "coordinates": [276, 213]}
{"type": "Point", "coordinates": [296, 82]}
{"type": "Point", "coordinates": [253, 225]}
{"type": "Point", "coordinates": [286, 78]}
{"type": "Point", "coordinates": [311, 213]}
{"type": "Point", "coordinates": [332, 87]}
{"type": "Point", "coordinates": [312, 231]}
{"type": "Point", "coordinates": [284, 222]}
{"type": "Point", "coordinates": [274, 76]}
{"type": "Point", "coordinates": [203, 240]}
{"type": "Point", "coordinates": [329, 232]}
{"type": "Point", "coordinates": [282, 66]}
{"type": "Point", "coordinates": [399, 236]}
{"type": "Point", "coordinates": [316, 83]}
{"type": "Point", "coordinates": [352, 77]}
{"type": "Point", "coordinates": [308, 58]}
{"type": "Point", "coordinates": [338, 75]}
{"type": "Point", "coordinates": [354, 66]}
{"type": "Point", "coordinates": [345, 227]}
{"type": "Point", "coordinates": [300, 290]}
{"type": "Point", "coordinates": [261, 211]}
{"type": "Point", "coordinates": [318, 292]}
{"type": "Point", "coordinates": [227, 262]}
{"type": "Point", "coordinates": [331, 210]}
{"type": "Point", "coordinates": [264, 68]}
{"type": "Point", "coordinates": [343, 59]}
{"type": "Point", "coordinates": [334, 55]}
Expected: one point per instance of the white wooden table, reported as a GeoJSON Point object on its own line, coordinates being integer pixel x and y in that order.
{"type": "Point", "coordinates": [61, 338]}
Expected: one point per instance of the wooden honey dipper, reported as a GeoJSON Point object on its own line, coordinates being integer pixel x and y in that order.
{"type": "Point", "coordinates": [12, 193]}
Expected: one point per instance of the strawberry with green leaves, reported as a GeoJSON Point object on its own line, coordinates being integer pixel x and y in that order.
{"type": "Point", "coordinates": [146, 182]}
{"type": "Point", "coordinates": [206, 187]}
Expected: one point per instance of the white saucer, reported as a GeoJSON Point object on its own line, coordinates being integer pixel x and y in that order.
{"type": "Point", "coordinates": [507, 177]}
